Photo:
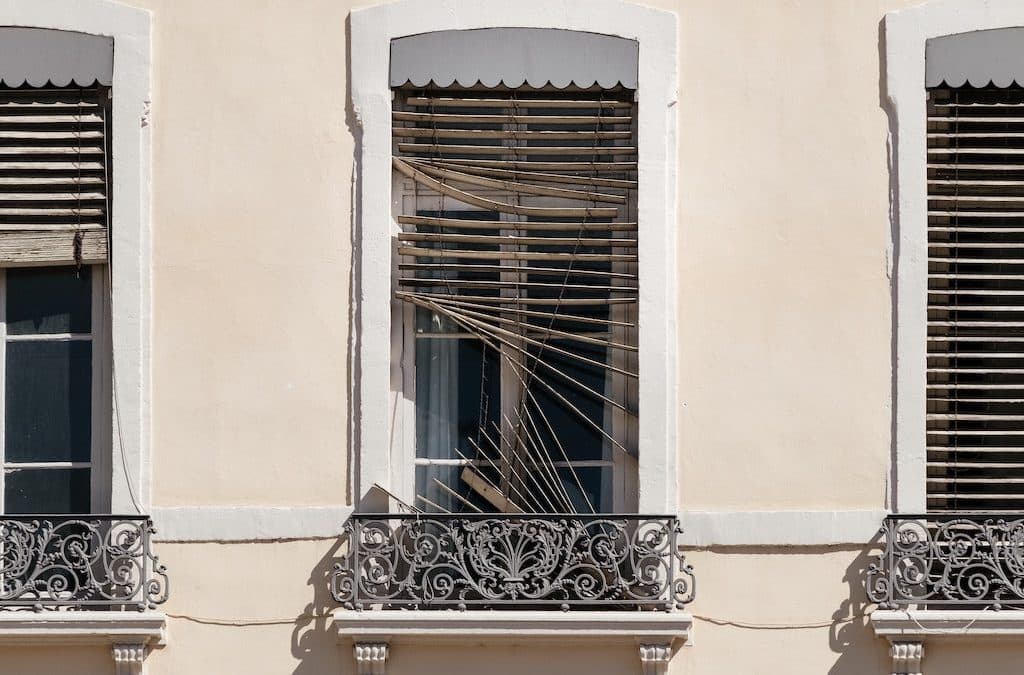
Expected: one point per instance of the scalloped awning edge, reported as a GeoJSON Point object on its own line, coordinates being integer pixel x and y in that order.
{"type": "Point", "coordinates": [42, 56]}
{"type": "Point", "coordinates": [978, 58]}
{"type": "Point", "coordinates": [513, 56]}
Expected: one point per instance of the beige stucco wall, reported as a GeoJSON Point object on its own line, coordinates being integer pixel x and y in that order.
{"type": "Point", "coordinates": [784, 293]}
{"type": "Point", "coordinates": [785, 332]}
{"type": "Point", "coordinates": [252, 175]}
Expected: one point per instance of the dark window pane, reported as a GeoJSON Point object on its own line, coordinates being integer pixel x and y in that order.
{"type": "Point", "coordinates": [596, 483]}
{"type": "Point", "coordinates": [49, 401]}
{"type": "Point", "coordinates": [458, 391]}
{"type": "Point", "coordinates": [579, 436]}
{"type": "Point", "coordinates": [47, 491]}
{"type": "Point", "coordinates": [49, 300]}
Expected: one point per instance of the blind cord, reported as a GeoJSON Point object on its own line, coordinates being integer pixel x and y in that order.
{"type": "Point", "coordinates": [115, 401]}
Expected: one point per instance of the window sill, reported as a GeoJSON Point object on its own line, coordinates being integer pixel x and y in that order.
{"type": "Point", "coordinates": [908, 625]}
{"type": "Point", "coordinates": [82, 628]}
{"type": "Point", "coordinates": [432, 625]}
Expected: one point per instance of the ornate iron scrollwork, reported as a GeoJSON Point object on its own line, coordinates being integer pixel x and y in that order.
{"type": "Point", "coordinates": [961, 560]}
{"type": "Point", "coordinates": [79, 562]}
{"type": "Point", "coordinates": [526, 560]}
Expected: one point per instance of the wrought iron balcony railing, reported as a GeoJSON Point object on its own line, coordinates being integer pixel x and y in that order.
{"type": "Point", "coordinates": [966, 561]}
{"type": "Point", "coordinates": [79, 562]}
{"type": "Point", "coordinates": [520, 561]}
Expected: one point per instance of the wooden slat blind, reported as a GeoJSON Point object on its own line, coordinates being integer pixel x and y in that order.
{"type": "Point", "coordinates": [53, 176]}
{"type": "Point", "coordinates": [975, 417]}
{"type": "Point", "coordinates": [491, 150]}
{"type": "Point", "coordinates": [519, 228]}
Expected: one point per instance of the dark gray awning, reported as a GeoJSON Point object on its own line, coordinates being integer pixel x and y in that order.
{"type": "Point", "coordinates": [38, 56]}
{"type": "Point", "coordinates": [979, 58]}
{"type": "Point", "coordinates": [513, 56]}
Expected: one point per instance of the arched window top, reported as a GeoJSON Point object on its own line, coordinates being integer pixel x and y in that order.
{"type": "Point", "coordinates": [513, 57]}
{"type": "Point", "coordinates": [41, 56]}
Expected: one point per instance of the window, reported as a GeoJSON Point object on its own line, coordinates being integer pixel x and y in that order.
{"type": "Point", "coordinates": [975, 298]}
{"type": "Point", "coordinates": [525, 323]}
{"type": "Point", "coordinates": [55, 429]}
{"type": "Point", "coordinates": [518, 266]}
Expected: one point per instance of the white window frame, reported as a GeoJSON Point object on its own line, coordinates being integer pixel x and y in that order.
{"type": "Point", "coordinates": [100, 441]}
{"type": "Point", "coordinates": [381, 452]}
{"type": "Point", "coordinates": [906, 32]}
{"type": "Point", "coordinates": [130, 271]}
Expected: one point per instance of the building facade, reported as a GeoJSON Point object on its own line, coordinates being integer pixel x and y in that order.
{"type": "Point", "coordinates": [446, 336]}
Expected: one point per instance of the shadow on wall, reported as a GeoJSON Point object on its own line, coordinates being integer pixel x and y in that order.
{"type": "Point", "coordinates": [314, 643]}
{"type": "Point", "coordinates": [354, 368]}
{"type": "Point", "coordinates": [956, 657]}
{"type": "Point", "coordinates": [860, 652]}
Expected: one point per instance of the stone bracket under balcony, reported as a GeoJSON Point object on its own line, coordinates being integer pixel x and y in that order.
{"type": "Point", "coordinates": [372, 634]}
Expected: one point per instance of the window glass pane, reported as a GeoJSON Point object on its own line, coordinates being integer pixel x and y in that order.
{"type": "Point", "coordinates": [458, 391]}
{"type": "Point", "coordinates": [49, 300]}
{"type": "Point", "coordinates": [49, 401]}
{"type": "Point", "coordinates": [579, 436]}
{"type": "Point", "coordinates": [594, 481]}
{"type": "Point", "coordinates": [46, 491]}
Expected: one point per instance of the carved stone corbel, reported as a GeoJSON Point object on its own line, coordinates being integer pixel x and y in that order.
{"type": "Point", "coordinates": [654, 658]}
{"type": "Point", "coordinates": [371, 658]}
{"type": "Point", "coordinates": [128, 657]}
{"type": "Point", "coordinates": [906, 656]}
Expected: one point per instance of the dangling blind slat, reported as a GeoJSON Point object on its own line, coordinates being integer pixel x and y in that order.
{"type": "Point", "coordinates": [53, 176]}
{"type": "Point", "coordinates": [975, 420]}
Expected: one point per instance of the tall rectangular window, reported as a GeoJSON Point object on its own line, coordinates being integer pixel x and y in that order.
{"type": "Point", "coordinates": [975, 418]}
{"type": "Point", "coordinates": [54, 369]}
{"type": "Point", "coordinates": [518, 268]}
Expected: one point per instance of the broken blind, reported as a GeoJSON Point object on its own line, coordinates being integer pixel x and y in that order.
{"type": "Point", "coordinates": [975, 417]}
{"type": "Point", "coordinates": [521, 233]}
{"type": "Point", "coordinates": [519, 242]}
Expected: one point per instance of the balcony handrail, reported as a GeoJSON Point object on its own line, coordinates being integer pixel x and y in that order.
{"type": "Point", "coordinates": [512, 560]}
{"type": "Point", "coordinates": [79, 562]}
{"type": "Point", "coordinates": [949, 561]}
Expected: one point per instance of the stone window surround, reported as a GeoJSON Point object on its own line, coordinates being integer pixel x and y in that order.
{"type": "Point", "coordinates": [382, 455]}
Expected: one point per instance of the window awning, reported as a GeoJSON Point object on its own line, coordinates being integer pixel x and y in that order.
{"type": "Point", "coordinates": [514, 56]}
{"type": "Point", "coordinates": [977, 58]}
{"type": "Point", "coordinates": [40, 56]}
